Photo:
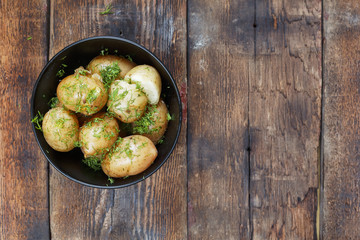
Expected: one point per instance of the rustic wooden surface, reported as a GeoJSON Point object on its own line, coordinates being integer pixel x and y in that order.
{"type": "Point", "coordinates": [341, 212]}
{"type": "Point", "coordinates": [221, 46]}
{"type": "Point", "coordinates": [284, 118]}
{"type": "Point", "coordinates": [258, 132]}
{"type": "Point", "coordinates": [23, 169]}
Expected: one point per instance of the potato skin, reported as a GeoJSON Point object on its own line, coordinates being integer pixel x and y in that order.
{"type": "Point", "coordinates": [154, 122]}
{"type": "Point", "coordinates": [126, 101]}
{"type": "Point", "coordinates": [100, 62]}
{"type": "Point", "coordinates": [149, 79]}
{"type": "Point", "coordinates": [61, 129]}
{"type": "Point", "coordinates": [82, 94]}
{"type": "Point", "coordinates": [130, 156]}
{"type": "Point", "coordinates": [98, 135]}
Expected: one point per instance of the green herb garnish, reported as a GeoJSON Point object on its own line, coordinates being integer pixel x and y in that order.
{"type": "Point", "coordinates": [169, 117]}
{"type": "Point", "coordinates": [91, 96]}
{"type": "Point", "coordinates": [29, 38]}
{"type": "Point", "coordinates": [142, 125]}
{"type": "Point", "coordinates": [129, 58]}
{"type": "Point", "coordinates": [53, 102]}
{"type": "Point", "coordinates": [83, 72]}
{"type": "Point", "coordinates": [60, 123]}
{"type": "Point", "coordinates": [109, 74]}
{"type": "Point", "coordinates": [111, 180]}
{"type": "Point", "coordinates": [60, 73]}
{"type": "Point", "coordinates": [38, 120]}
{"type": "Point", "coordinates": [77, 144]}
{"type": "Point", "coordinates": [93, 162]}
{"type": "Point", "coordinates": [107, 10]}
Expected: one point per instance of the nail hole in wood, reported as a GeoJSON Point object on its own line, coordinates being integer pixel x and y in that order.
{"type": "Point", "coordinates": [254, 25]}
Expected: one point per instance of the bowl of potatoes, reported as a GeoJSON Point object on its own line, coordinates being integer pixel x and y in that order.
{"type": "Point", "coordinates": [106, 112]}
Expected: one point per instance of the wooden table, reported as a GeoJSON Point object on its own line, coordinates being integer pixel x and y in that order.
{"type": "Point", "coordinates": [269, 147]}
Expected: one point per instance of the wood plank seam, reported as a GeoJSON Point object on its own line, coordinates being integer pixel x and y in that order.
{"type": "Point", "coordinates": [251, 227]}
{"type": "Point", "coordinates": [320, 204]}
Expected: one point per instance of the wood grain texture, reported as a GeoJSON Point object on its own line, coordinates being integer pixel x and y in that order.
{"type": "Point", "coordinates": [284, 116]}
{"type": "Point", "coordinates": [221, 62]}
{"type": "Point", "coordinates": [341, 193]}
{"type": "Point", "coordinates": [23, 169]}
{"type": "Point", "coordinates": [155, 208]}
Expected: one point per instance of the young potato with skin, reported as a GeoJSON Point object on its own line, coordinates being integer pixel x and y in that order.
{"type": "Point", "coordinates": [61, 129]}
{"type": "Point", "coordinates": [83, 94]}
{"type": "Point", "coordinates": [149, 80]}
{"type": "Point", "coordinates": [129, 156]}
{"type": "Point", "coordinates": [98, 135]}
{"type": "Point", "coordinates": [126, 101]}
{"type": "Point", "coordinates": [101, 62]}
{"type": "Point", "coordinates": [154, 122]}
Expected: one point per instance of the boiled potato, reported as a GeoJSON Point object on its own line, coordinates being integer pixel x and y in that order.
{"type": "Point", "coordinates": [99, 64]}
{"type": "Point", "coordinates": [129, 156]}
{"type": "Point", "coordinates": [98, 135]}
{"type": "Point", "coordinates": [61, 129]}
{"type": "Point", "coordinates": [149, 80]}
{"type": "Point", "coordinates": [80, 93]}
{"type": "Point", "coordinates": [154, 122]}
{"type": "Point", "coordinates": [126, 101]}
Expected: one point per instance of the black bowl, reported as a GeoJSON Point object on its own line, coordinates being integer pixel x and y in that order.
{"type": "Point", "coordinates": [79, 54]}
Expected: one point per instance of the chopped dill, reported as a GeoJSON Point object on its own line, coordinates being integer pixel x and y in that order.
{"type": "Point", "coordinates": [91, 96]}
{"type": "Point", "coordinates": [60, 73]}
{"type": "Point", "coordinates": [128, 57]}
{"type": "Point", "coordinates": [53, 102]}
{"type": "Point", "coordinates": [161, 140]}
{"type": "Point", "coordinates": [37, 120]}
{"type": "Point", "coordinates": [169, 117]}
{"type": "Point", "coordinates": [83, 72]}
{"type": "Point", "coordinates": [104, 52]}
{"type": "Point", "coordinates": [107, 10]}
{"type": "Point", "coordinates": [77, 144]}
{"type": "Point", "coordinates": [109, 74]}
{"type": "Point", "coordinates": [60, 123]}
{"type": "Point", "coordinates": [111, 180]}
{"type": "Point", "coordinates": [93, 162]}
{"type": "Point", "coordinates": [142, 125]}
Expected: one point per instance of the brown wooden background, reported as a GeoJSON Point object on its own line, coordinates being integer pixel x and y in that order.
{"type": "Point", "coordinates": [270, 142]}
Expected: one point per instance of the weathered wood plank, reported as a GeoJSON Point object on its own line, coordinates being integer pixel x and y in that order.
{"type": "Point", "coordinates": [156, 208]}
{"type": "Point", "coordinates": [341, 201]}
{"type": "Point", "coordinates": [23, 169]}
{"type": "Point", "coordinates": [221, 62]}
{"type": "Point", "coordinates": [285, 110]}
